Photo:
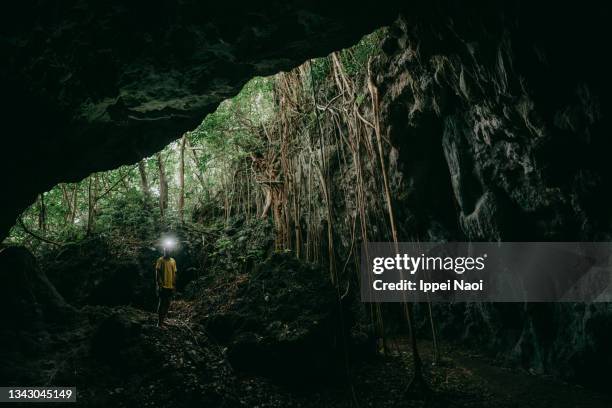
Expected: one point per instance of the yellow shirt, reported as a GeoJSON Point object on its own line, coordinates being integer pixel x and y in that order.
{"type": "Point", "coordinates": [166, 272]}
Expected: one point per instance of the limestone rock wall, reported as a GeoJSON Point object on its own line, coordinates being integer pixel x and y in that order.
{"type": "Point", "coordinates": [499, 117]}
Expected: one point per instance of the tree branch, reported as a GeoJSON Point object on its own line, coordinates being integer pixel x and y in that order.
{"type": "Point", "coordinates": [33, 234]}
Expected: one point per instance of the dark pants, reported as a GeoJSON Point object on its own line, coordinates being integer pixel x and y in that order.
{"type": "Point", "coordinates": [165, 295]}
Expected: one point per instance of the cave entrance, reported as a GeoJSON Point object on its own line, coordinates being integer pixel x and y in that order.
{"type": "Point", "coordinates": [271, 153]}
{"type": "Point", "coordinates": [274, 191]}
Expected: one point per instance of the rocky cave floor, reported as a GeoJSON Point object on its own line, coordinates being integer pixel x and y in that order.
{"type": "Point", "coordinates": [131, 362]}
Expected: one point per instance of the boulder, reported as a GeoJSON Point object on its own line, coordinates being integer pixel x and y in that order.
{"type": "Point", "coordinates": [281, 319]}
{"type": "Point", "coordinates": [32, 313]}
{"type": "Point", "coordinates": [29, 299]}
{"type": "Point", "coordinates": [92, 273]}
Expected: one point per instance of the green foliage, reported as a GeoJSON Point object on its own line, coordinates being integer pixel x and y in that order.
{"type": "Point", "coordinates": [128, 212]}
{"type": "Point", "coordinates": [320, 70]}
{"type": "Point", "coordinates": [240, 244]}
{"type": "Point", "coordinates": [233, 127]}
{"type": "Point", "coordinates": [227, 137]}
{"type": "Point", "coordinates": [355, 59]}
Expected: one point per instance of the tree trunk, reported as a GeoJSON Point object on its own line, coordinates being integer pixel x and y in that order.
{"type": "Point", "coordinates": [42, 214]}
{"type": "Point", "coordinates": [268, 202]}
{"type": "Point", "coordinates": [74, 203]}
{"type": "Point", "coordinates": [67, 203]}
{"type": "Point", "coordinates": [91, 192]}
{"type": "Point", "coordinates": [163, 186]}
{"type": "Point", "coordinates": [181, 200]}
{"type": "Point", "coordinates": [144, 183]}
{"type": "Point", "coordinates": [196, 163]}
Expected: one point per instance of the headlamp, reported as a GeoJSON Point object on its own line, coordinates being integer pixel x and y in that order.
{"type": "Point", "coordinates": [168, 243]}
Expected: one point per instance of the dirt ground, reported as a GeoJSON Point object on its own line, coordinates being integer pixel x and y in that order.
{"type": "Point", "coordinates": [464, 378]}
{"type": "Point", "coordinates": [126, 361]}
{"type": "Point", "coordinates": [460, 378]}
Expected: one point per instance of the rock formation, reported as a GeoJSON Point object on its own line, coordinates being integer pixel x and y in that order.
{"type": "Point", "coordinates": [499, 116]}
